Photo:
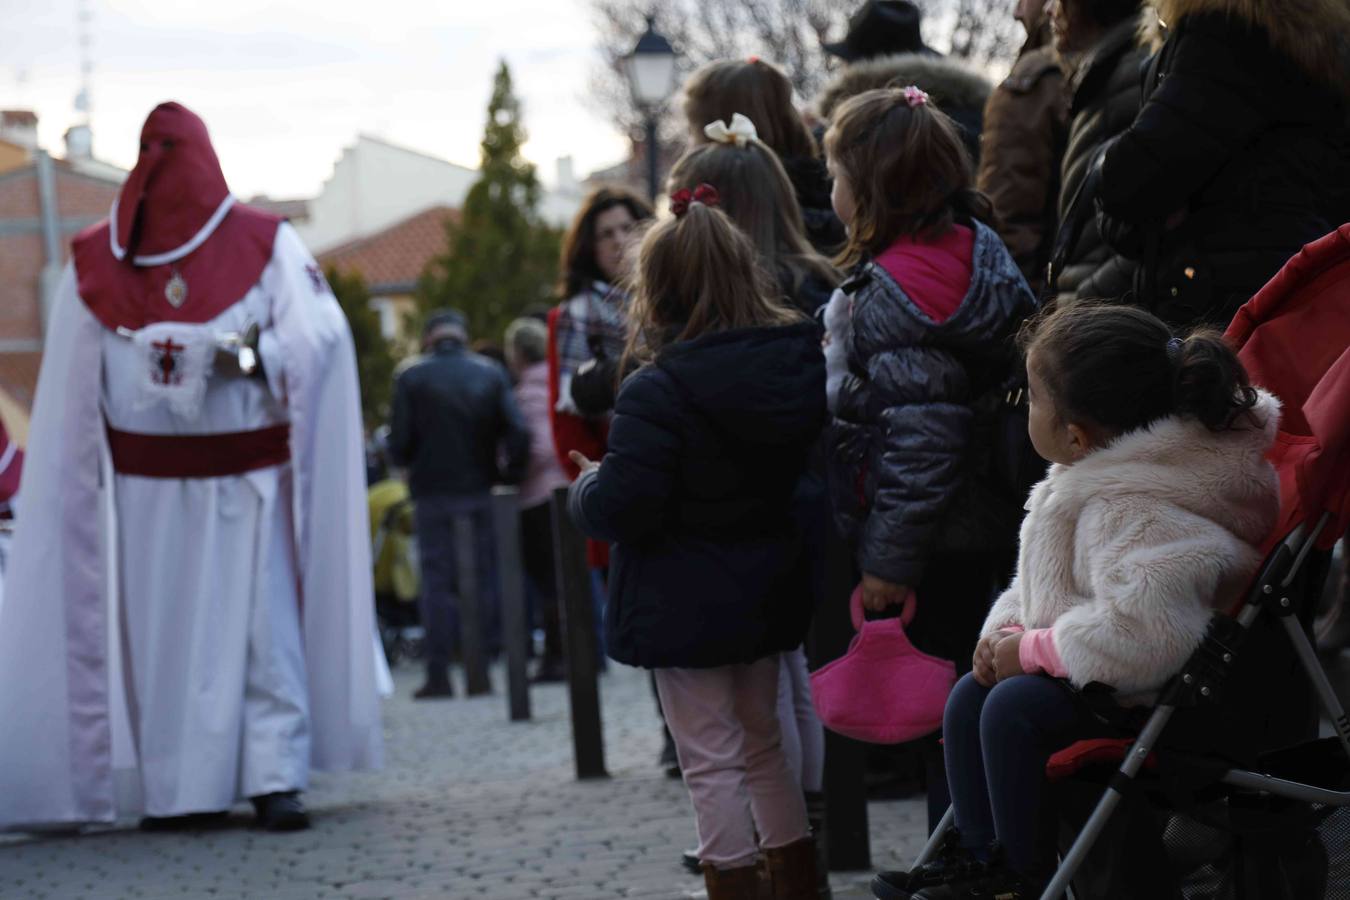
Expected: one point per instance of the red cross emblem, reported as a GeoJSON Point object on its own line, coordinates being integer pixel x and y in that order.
{"type": "Point", "coordinates": [167, 354]}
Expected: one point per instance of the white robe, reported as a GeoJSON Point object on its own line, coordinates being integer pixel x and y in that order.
{"type": "Point", "coordinates": [236, 649]}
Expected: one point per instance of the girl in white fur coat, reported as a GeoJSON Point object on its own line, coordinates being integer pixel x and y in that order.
{"type": "Point", "coordinates": [1149, 519]}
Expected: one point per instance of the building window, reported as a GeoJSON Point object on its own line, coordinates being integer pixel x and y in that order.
{"type": "Point", "coordinates": [388, 313]}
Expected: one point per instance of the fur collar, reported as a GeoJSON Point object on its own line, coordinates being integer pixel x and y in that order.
{"type": "Point", "coordinates": [952, 84]}
{"type": "Point", "coordinates": [1313, 33]}
{"type": "Point", "coordinates": [1220, 476]}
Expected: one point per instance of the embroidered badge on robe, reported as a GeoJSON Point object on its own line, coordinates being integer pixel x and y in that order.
{"type": "Point", "coordinates": [176, 362]}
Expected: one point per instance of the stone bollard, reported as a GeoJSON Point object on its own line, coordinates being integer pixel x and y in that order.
{"type": "Point", "coordinates": [511, 572]}
{"type": "Point", "coordinates": [471, 647]}
{"type": "Point", "coordinates": [578, 628]}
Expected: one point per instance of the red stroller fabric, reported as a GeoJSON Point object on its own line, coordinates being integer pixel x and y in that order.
{"type": "Point", "coordinates": [1294, 339]}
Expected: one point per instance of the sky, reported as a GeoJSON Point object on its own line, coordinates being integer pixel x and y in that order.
{"type": "Point", "coordinates": [284, 85]}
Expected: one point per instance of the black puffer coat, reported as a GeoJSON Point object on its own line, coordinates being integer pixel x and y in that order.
{"type": "Point", "coordinates": [706, 450]}
{"type": "Point", "coordinates": [903, 448]}
{"type": "Point", "coordinates": [811, 183]}
{"type": "Point", "coordinates": [1105, 92]}
{"type": "Point", "coordinates": [1226, 172]}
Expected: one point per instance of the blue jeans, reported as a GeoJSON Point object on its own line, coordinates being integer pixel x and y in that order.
{"type": "Point", "coordinates": [439, 603]}
{"type": "Point", "coordinates": [997, 741]}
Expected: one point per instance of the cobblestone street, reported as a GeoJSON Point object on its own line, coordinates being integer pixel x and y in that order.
{"type": "Point", "coordinates": [468, 805]}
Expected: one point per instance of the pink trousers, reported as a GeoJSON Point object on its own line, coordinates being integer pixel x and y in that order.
{"type": "Point", "coordinates": [725, 724]}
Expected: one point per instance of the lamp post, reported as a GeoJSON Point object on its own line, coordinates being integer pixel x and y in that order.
{"type": "Point", "coordinates": [650, 70]}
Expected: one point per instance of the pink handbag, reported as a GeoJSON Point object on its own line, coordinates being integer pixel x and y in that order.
{"type": "Point", "coordinates": [882, 691]}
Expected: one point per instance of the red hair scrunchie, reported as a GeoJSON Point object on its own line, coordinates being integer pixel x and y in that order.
{"type": "Point", "coordinates": [704, 193]}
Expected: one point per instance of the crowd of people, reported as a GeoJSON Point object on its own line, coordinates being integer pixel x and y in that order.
{"type": "Point", "coordinates": [894, 310]}
{"type": "Point", "coordinates": [971, 328]}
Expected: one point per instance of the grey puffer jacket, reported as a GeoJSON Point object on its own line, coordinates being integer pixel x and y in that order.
{"type": "Point", "coordinates": [904, 444]}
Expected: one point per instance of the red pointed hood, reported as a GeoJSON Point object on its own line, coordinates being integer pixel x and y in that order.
{"type": "Point", "coordinates": [175, 196]}
{"type": "Point", "coordinates": [176, 246]}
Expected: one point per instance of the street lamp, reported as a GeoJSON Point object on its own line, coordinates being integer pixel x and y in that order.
{"type": "Point", "coordinates": [650, 70]}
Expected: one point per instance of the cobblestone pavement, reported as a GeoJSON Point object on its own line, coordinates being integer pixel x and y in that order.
{"type": "Point", "coordinates": [467, 806]}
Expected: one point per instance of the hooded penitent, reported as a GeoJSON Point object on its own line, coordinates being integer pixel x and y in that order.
{"type": "Point", "coordinates": [176, 508]}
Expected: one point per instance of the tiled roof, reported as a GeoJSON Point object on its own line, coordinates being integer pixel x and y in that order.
{"type": "Point", "coordinates": [393, 259]}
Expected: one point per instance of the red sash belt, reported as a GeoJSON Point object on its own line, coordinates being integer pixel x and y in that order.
{"type": "Point", "coordinates": [198, 455]}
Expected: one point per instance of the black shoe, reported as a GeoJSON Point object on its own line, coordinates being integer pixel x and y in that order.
{"type": "Point", "coordinates": [281, 811]}
{"type": "Point", "coordinates": [998, 883]}
{"type": "Point", "coordinates": [952, 863]}
{"type": "Point", "coordinates": [692, 864]}
{"type": "Point", "coordinates": [189, 822]}
{"type": "Point", "coordinates": [437, 686]}
{"type": "Point", "coordinates": [550, 671]}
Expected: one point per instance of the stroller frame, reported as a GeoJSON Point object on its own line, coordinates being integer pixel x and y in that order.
{"type": "Point", "coordinates": [1200, 681]}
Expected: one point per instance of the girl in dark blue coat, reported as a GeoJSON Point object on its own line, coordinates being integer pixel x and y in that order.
{"type": "Point", "coordinates": [709, 582]}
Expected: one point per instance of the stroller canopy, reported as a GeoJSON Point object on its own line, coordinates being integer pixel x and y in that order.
{"type": "Point", "coordinates": [1294, 338]}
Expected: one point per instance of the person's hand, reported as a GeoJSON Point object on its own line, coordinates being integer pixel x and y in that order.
{"type": "Point", "coordinates": [982, 666]}
{"type": "Point", "coordinates": [878, 594]}
{"type": "Point", "coordinates": [1007, 657]}
{"type": "Point", "coordinates": [582, 462]}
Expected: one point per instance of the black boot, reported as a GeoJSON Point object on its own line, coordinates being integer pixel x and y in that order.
{"type": "Point", "coordinates": [281, 811]}
{"type": "Point", "coordinates": [437, 686]}
{"type": "Point", "coordinates": [815, 818]}
{"type": "Point", "coordinates": [550, 671]}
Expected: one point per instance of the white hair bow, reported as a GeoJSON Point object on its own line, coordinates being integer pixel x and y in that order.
{"type": "Point", "coordinates": [740, 132]}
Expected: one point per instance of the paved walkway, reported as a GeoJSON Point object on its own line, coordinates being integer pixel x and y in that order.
{"type": "Point", "coordinates": [467, 806]}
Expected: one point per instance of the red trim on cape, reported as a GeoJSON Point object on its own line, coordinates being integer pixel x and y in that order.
{"type": "Point", "coordinates": [198, 455]}
{"type": "Point", "coordinates": [218, 273]}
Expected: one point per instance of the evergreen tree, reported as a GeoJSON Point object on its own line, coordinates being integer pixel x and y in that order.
{"type": "Point", "coordinates": [374, 360]}
{"type": "Point", "coordinates": [500, 257]}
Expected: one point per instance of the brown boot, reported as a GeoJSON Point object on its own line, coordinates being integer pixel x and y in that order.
{"type": "Point", "coordinates": [792, 870]}
{"type": "Point", "coordinates": [732, 884]}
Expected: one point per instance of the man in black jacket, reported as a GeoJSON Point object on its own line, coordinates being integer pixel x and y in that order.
{"type": "Point", "coordinates": [455, 422]}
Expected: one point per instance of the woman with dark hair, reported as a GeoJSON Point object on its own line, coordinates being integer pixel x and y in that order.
{"type": "Point", "coordinates": [762, 93]}
{"type": "Point", "coordinates": [591, 323]}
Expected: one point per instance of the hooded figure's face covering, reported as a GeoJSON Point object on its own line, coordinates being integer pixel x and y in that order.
{"type": "Point", "coordinates": [175, 192]}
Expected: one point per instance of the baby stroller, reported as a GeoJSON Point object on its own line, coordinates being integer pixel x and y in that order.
{"type": "Point", "coordinates": [1229, 793]}
{"type": "Point", "coordinates": [396, 574]}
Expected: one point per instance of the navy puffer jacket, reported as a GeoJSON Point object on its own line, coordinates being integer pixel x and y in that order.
{"type": "Point", "coordinates": [706, 450]}
{"type": "Point", "coordinates": [905, 448]}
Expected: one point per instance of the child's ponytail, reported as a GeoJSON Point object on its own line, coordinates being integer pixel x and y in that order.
{"type": "Point", "coordinates": [1120, 368]}
{"type": "Point", "coordinates": [1209, 382]}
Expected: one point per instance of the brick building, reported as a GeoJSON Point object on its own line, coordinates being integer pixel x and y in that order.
{"type": "Point", "coordinates": [44, 202]}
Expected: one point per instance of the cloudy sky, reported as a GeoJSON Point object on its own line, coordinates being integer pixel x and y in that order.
{"type": "Point", "coordinates": [285, 84]}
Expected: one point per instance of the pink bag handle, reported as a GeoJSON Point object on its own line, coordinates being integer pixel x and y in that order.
{"type": "Point", "coordinates": [856, 608]}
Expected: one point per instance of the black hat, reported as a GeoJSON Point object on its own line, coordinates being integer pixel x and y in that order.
{"type": "Point", "coordinates": [880, 28]}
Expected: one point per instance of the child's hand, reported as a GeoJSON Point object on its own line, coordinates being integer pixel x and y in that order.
{"type": "Point", "coordinates": [1007, 657]}
{"type": "Point", "coordinates": [582, 462]}
{"type": "Point", "coordinates": [878, 594]}
{"type": "Point", "coordinates": [982, 666]}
